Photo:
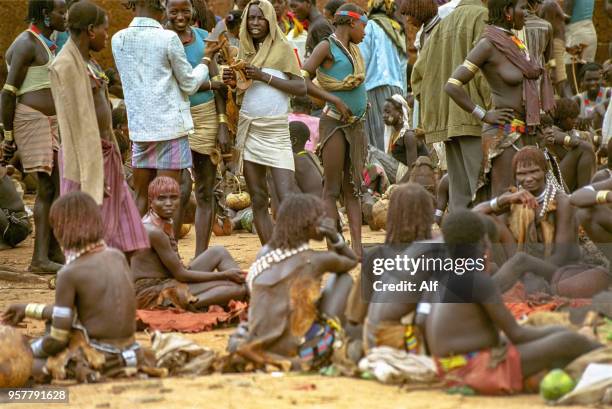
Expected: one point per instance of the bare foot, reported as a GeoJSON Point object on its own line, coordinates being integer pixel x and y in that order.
{"type": "Point", "coordinates": [47, 267]}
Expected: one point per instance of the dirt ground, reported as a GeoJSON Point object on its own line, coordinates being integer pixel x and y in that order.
{"type": "Point", "coordinates": [246, 391]}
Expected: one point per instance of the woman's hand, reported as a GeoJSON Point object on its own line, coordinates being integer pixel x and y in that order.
{"type": "Point", "coordinates": [254, 73]}
{"type": "Point", "coordinates": [519, 197]}
{"type": "Point", "coordinates": [345, 112]}
{"type": "Point", "coordinates": [229, 77]}
{"type": "Point", "coordinates": [14, 314]}
{"type": "Point", "coordinates": [327, 227]}
{"type": "Point", "coordinates": [499, 116]}
{"type": "Point", "coordinates": [212, 48]}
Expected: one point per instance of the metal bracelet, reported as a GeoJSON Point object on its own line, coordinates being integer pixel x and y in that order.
{"type": "Point", "coordinates": [222, 118]}
{"type": "Point", "coordinates": [305, 73]}
{"type": "Point", "coordinates": [494, 205]}
{"type": "Point", "coordinates": [10, 88]}
{"type": "Point", "coordinates": [438, 213]}
{"type": "Point", "coordinates": [455, 81]}
{"type": "Point", "coordinates": [61, 312]}
{"type": "Point", "coordinates": [8, 135]}
{"type": "Point", "coordinates": [61, 335]}
{"type": "Point", "coordinates": [34, 310]}
{"type": "Point", "coordinates": [473, 68]}
{"type": "Point", "coordinates": [479, 112]}
{"type": "Point", "coordinates": [602, 197]}
{"type": "Point", "coordinates": [37, 349]}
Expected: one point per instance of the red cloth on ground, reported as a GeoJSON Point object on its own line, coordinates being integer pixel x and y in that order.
{"type": "Point", "coordinates": [170, 320]}
{"type": "Point", "coordinates": [521, 304]}
{"type": "Point", "coordinates": [489, 372]}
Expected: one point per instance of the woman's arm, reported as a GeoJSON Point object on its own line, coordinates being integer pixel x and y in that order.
{"type": "Point", "coordinates": [475, 60]}
{"type": "Point", "coordinates": [320, 54]}
{"type": "Point", "coordinates": [294, 85]}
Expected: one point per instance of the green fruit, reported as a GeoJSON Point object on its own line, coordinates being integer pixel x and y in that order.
{"type": "Point", "coordinates": [246, 221]}
{"type": "Point", "coordinates": [556, 384]}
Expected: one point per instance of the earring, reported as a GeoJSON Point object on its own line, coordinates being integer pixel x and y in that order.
{"type": "Point", "coordinates": [509, 18]}
{"type": "Point", "coordinates": [47, 21]}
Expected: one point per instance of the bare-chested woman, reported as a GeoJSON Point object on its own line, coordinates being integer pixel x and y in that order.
{"type": "Point", "coordinates": [339, 68]}
{"type": "Point", "coordinates": [28, 114]}
{"type": "Point", "coordinates": [159, 274]}
{"type": "Point", "coordinates": [289, 317]}
{"type": "Point", "coordinates": [263, 126]}
{"type": "Point", "coordinates": [512, 77]}
{"type": "Point", "coordinates": [88, 313]}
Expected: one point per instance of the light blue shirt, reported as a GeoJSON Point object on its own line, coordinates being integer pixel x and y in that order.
{"type": "Point", "coordinates": [384, 63]}
{"type": "Point", "coordinates": [157, 80]}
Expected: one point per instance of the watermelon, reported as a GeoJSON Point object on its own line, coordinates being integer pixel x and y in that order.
{"type": "Point", "coordinates": [556, 384]}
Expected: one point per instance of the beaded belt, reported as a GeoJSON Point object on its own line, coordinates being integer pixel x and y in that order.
{"type": "Point", "coordinates": [515, 126]}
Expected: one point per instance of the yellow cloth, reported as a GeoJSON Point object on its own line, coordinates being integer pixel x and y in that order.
{"type": "Point", "coordinates": [205, 126]}
{"type": "Point", "coordinates": [37, 76]}
{"type": "Point", "coordinates": [265, 140]}
{"type": "Point", "coordinates": [76, 115]}
{"type": "Point", "coordinates": [275, 52]}
{"type": "Point", "coordinates": [329, 83]}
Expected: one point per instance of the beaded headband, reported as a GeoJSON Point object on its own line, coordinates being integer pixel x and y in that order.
{"type": "Point", "coordinates": [352, 14]}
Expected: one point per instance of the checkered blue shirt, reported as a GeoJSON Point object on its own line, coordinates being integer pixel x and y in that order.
{"type": "Point", "coordinates": [157, 80]}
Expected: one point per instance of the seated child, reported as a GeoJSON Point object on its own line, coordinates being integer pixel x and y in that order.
{"type": "Point", "coordinates": [15, 225]}
{"type": "Point", "coordinates": [302, 108]}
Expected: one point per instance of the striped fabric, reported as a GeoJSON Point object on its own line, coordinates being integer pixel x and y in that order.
{"type": "Point", "coordinates": [36, 136]}
{"type": "Point", "coordinates": [123, 228]}
{"type": "Point", "coordinates": [173, 154]}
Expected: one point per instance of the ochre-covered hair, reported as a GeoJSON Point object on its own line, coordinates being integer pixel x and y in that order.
{"type": "Point", "coordinates": [420, 10]}
{"type": "Point", "coordinates": [163, 184]}
{"type": "Point", "coordinates": [410, 214]}
{"type": "Point", "coordinates": [529, 155]}
{"type": "Point", "coordinates": [297, 215]}
{"type": "Point", "coordinates": [76, 221]}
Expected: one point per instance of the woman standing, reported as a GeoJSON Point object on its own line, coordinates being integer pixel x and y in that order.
{"type": "Point", "coordinates": [340, 72]}
{"type": "Point", "coordinates": [263, 127]}
{"type": "Point", "coordinates": [28, 115]}
{"type": "Point", "coordinates": [209, 120]}
{"type": "Point", "coordinates": [513, 77]}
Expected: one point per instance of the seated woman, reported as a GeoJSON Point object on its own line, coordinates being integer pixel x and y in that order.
{"type": "Point", "coordinates": [290, 321]}
{"type": "Point", "coordinates": [409, 221]}
{"type": "Point", "coordinates": [536, 224]}
{"type": "Point", "coordinates": [92, 321]}
{"type": "Point", "coordinates": [576, 156]}
{"type": "Point", "coordinates": [160, 278]}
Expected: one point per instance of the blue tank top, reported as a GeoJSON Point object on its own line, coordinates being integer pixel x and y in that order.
{"type": "Point", "coordinates": [583, 10]}
{"type": "Point", "coordinates": [195, 53]}
{"type": "Point", "coordinates": [356, 99]}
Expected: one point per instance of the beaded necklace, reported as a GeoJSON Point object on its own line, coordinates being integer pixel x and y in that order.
{"type": "Point", "coordinates": [598, 99]}
{"type": "Point", "coordinates": [273, 257]}
{"type": "Point", "coordinates": [72, 255]}
{"type": "Point", "coordinates": [549, 193]}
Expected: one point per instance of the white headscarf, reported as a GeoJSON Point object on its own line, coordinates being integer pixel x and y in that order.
{"type": "Point", "coordinates": [389, 130]}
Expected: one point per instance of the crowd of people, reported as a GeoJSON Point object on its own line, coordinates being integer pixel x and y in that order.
{"type": "Point", "coordinates": [495, 142]}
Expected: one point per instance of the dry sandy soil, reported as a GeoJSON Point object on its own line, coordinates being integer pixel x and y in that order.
{"type": "Point", "coordinates": [256, 391]}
